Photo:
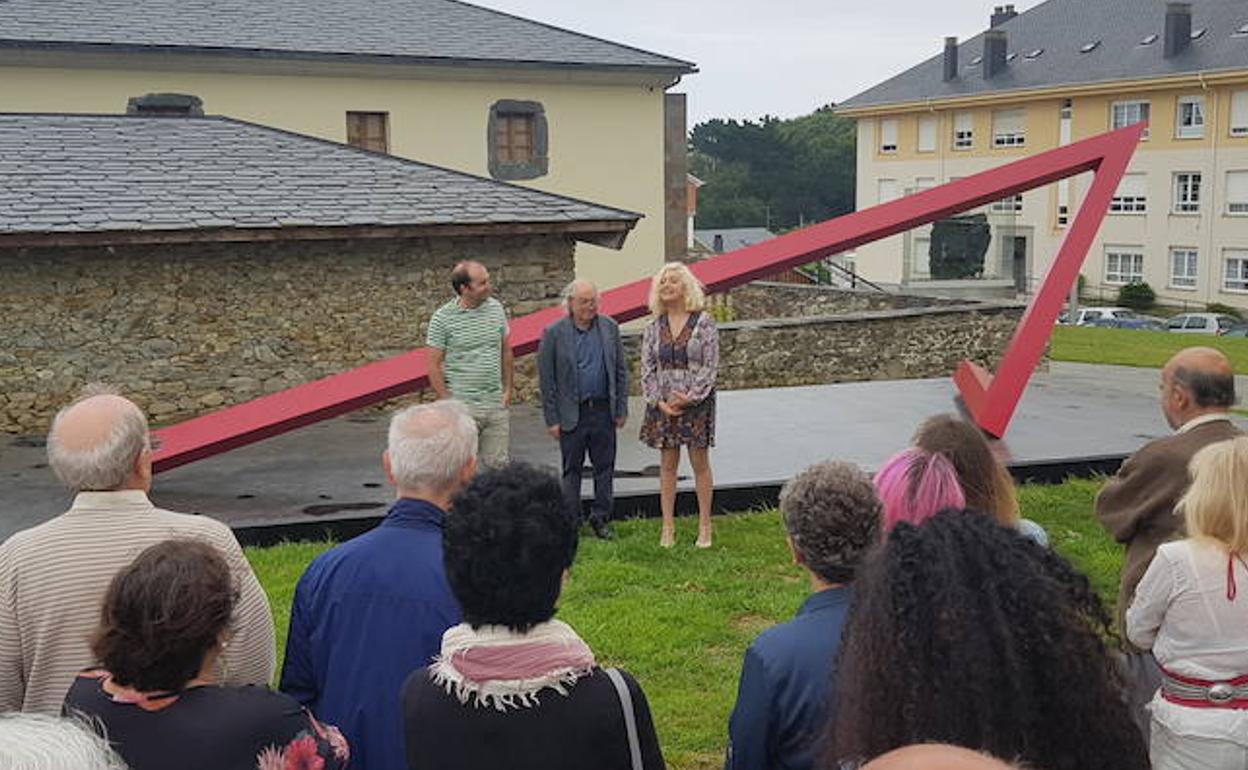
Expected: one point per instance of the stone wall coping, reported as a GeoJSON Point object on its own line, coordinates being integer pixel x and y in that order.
{"type": "Point", "coordinates": [863, 316]}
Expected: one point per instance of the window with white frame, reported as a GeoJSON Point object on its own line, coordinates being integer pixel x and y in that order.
{"type": "Point", "coordinates": [922, 183]}
{"type": "Point", "coordinates": [1236, 275]}
{"type": "Point", "coordinates": [1009, 128]}
{"type": "Point", "coordinates": [1190, 122]}
{"type": "Point", "coordinates": [1131, 196]}
{"type": "Point", "coordinates": [1239, 113]}
{"type": "Point", "coordinates": [1124, 264]}
{"type": "Point", "coordinates": [1183, 266]}
{"type": "Point", "coordinates": [963, 131]}
{"type": "Point", "coordinates": [1010, 205]}
{"type": "Point", "coordinates": [1237, 192]}
{"type": "Point", "coordinates": [1063, 203]}
{"type": "Point", "coordinates": [1186, 193]}
{"type": "Point", "coordinates": [1123, 114]}
{"type": "Point", "coordinates": [1063, 122]}
{"type": "Point", "coordinates": [927, 133]}
{"type": "Point", "coordinates": [888, 135]}
{"type": "Point", "coordinates": [887, 189]}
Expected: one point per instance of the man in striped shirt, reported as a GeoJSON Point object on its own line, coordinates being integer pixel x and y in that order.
{"type": "Point", "coordinates": [471, 359]}
{"type": "Point", "coordinates": [54, 576]}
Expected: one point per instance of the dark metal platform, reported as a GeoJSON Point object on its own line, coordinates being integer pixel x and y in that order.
{"type": "Point", "coordinates": [327, 478]}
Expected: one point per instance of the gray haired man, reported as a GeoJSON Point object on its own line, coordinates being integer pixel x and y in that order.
{"type": "Point", "coordinates": [584, 381]}
{"type": "Point", "coordinates": [54, 576]}
{"type": "Point", "coordinates": [372, 610]}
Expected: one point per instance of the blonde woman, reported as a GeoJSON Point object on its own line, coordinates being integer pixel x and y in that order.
{"type": "Point", "coordinates": [679, 362]}
{"type": "Point", "coordinates": [1191, 609]}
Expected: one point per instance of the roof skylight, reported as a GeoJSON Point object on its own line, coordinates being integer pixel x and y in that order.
{"type": "Point", "coordinates": [1012, 56]}
{"type": "Point", "coordinates": [1036, 54]}
{"type": "Point", "coordinates": [1149, 40]}
{"type": "Point", "coordinates": [1090, 47]}
{"type": "Point", "coordinates": [1197, 34]}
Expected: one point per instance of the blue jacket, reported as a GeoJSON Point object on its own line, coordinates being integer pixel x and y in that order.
{"type": "Point", "coordinates": [788, 685]}
{"type": "Point", "coordinates": [557, 375]}
{"type": "Point", "coordinates": [365, 615]}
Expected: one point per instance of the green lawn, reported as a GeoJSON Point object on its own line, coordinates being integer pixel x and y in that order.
{"type": "Point", "coordinates": [1131, 347]}
{"type": "Point", "coordinates": [680, 620]}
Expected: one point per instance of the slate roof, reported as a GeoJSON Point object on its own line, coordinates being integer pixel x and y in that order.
{"type": "Point", "coordinates": [444, 31]}
{"type": "Point", "coordinates": [67, 174]}
{"type": "Point", "coordinates": [1060, 28]}
{"type": "Point", "coordinates": [734, 237]}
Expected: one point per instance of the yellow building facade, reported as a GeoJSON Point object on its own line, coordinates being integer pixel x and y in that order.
{"type": "Point", "coordinates": [1179, 220]}
{"type": "Point", "coordinates": [442, 82]}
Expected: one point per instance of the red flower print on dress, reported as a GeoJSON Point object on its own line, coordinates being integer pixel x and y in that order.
{"type": "Point", "coordinates": [302, 754]}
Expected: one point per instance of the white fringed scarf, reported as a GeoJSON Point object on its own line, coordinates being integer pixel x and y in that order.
{"type": "Point", "coordinates": [494, 666]}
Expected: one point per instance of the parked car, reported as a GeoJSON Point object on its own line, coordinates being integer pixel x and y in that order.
{"type": "Point", "coordinates": [1240, 330]}
{"type": "Point", "coordinates": [1145, 323]}
{"type": "Point", "coordinates": [1086, 314]}
{"type": "Point", "coordinates": [1202, 323]}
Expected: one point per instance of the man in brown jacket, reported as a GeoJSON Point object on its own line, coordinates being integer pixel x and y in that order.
{"type": "Point", "coordinates": [1137, 505]}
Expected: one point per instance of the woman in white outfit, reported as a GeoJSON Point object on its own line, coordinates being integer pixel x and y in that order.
{"type": "Point", "coordinates": [1191, 609]}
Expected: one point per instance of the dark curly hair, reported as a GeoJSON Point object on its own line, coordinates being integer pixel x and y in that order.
{"type": "Point", "coordinates": [833, 516]}
{"type": "Point", "coordinates": [163, 614]}
{"type": "Point", "coordinates": [966, 632]}
{"type": "Point", "coordinates": [507, 541]}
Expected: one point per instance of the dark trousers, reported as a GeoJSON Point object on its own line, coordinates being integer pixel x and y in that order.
{"type": "Point", "coordinates": [595, 434]}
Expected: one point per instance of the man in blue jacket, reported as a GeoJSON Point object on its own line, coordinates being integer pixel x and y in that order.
{"type": "Point", "coordinates": [584, 381]}
{"type": "Point", "coordinates": [372, 610]}
{"type": "Point", "coordinates": [788, 679]}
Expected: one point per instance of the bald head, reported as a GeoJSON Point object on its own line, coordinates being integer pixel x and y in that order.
{"type": "Point", "coordinates": [100, 443]}
{"type": "Point", "coordinates": [935, 756]}
{"type": "Point", "coordinates": [1194, 382]}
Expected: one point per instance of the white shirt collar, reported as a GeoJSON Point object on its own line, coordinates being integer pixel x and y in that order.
{"type": "Point", "coordinates": [1196, 422]}
{"type": "Point", "coordinates": [111, 501]}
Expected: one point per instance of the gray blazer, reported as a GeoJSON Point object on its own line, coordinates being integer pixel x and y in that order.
{"type": "Point", "coordinates": [556, 368]}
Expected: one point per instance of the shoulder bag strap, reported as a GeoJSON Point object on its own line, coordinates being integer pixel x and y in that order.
{"type": "Point", "coordinates": [630, 719]}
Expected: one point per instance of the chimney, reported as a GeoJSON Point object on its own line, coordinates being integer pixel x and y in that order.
{"type": "Point", "coordinates": [1001, 14]}
{"type": "Point", "coordinates": [951, 59]}
{"type": "Point", "coordinates": [994, 53]}
{"type": "Point", "coordinates": [1178, 28]}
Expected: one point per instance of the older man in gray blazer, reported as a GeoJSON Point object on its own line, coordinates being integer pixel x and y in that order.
{"type": "Point", "coordinates": [584, 381]}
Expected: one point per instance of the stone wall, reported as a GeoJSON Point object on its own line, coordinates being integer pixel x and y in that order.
{"type": "Point", "coordinates": [889, 344]}
{"type": "Point", "coordinates": [759, 300]}
{"type": "Point", "coordinates": [188, 329]}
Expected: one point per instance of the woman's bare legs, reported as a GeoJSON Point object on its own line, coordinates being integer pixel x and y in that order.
{"type": "Point", "coordinates": [700, 459]}
{"type": "Point", "coordinates": [669, 462]}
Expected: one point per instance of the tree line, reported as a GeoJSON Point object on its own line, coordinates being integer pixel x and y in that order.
{"type": "Point", "coordinates": [773, 173]}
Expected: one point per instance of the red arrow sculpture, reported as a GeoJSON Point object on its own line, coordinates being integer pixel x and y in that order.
{"type": "Point", "coordinates": [990, 399]}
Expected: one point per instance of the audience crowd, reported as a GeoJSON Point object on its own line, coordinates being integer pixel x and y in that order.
{"type": "Point", "coordinates": [940, 631]}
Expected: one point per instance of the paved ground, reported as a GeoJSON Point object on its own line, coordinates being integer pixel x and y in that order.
{"type": "Point", "coordinates": [332, 470]}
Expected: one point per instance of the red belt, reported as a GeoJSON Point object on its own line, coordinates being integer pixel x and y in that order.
{"type": "Point", "coordinates": [1203, 693]}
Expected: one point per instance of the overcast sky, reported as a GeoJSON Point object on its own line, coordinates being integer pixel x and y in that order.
{"type": "Point", "coordinates": [785, 57]}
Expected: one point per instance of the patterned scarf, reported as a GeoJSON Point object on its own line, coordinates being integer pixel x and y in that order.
{"type": "Point", "coordinates": [496, 667]}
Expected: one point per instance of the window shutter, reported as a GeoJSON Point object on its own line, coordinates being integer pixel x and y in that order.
{"type": "Point", "coordinates": [964, 121]}
{"type": "Point", "coordinates": [1007, 122]}
{"type": "Point", "coordinates": [1239, 113]}
{"type": "Point", "coordinates": [1237, 192]}
{"type": "Point", "coordinates": [927, 134]}
{"type": "Point", "coordinates": [1132, 186]}
{"type": "Point", "coordinates": [888, 134]}
{"type": "Point", "coordinates": [888, 190]}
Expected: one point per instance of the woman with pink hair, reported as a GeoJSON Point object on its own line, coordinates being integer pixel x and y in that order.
{"type": "Point", "coordinates": [915, 484]}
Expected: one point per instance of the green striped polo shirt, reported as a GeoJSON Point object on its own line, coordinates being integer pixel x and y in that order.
{"type": "Point", "coordinates": [472, 341]}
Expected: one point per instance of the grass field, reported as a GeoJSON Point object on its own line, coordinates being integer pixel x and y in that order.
{"type": "Point", "coordinates": [1131, 347]}
{"type": "Point", "coordinates": [680, 620]}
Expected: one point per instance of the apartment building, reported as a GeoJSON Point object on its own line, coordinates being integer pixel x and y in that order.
{"type": "Point", "coordinates": [1062, 71]}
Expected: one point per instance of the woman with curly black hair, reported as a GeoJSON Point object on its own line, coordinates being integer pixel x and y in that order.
{"type": "Point", "coordinates": [513, 687]}
{"type": "Point", "coordinates": [968, 633]}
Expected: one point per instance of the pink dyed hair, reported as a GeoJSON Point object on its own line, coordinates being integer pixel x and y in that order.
{"type": "Point", "coordinates": [914, 484]}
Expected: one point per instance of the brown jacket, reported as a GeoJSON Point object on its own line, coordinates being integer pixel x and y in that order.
{"type": "Point", "coordinates": [1137, 505]}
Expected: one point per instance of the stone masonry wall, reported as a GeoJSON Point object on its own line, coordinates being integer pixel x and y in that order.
{"type": "Point", "coordinates": [873, 345]}
{"type": "Point", "coordinates": [759, 300]}
{"type": "Point", "coordinates": [188, 329]}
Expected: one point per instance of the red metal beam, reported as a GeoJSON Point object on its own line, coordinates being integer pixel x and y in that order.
{"type": "Point", "coordinates": [991, 400]}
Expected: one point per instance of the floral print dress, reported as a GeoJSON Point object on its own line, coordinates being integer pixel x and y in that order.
{"type": "Point", "coordinates": [207, 727]}
{"type": "Point", "coordinates": [686, 362]}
